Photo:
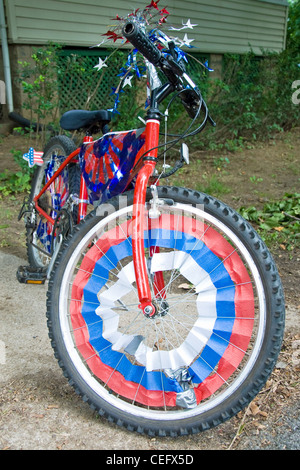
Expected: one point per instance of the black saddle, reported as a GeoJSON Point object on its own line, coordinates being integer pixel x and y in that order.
{"type": "Point", "coordinates": [82, 119]}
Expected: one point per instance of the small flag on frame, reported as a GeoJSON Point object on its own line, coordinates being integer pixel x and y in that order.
{"type": "Point", "coordinates": [33, 157]}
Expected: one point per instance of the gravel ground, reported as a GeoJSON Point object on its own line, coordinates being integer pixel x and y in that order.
{"type": "Point", "coordinates": [284, 434]}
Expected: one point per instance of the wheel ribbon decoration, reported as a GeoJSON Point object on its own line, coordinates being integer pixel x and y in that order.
{"type": "Point", "coordinates": [216, 342]}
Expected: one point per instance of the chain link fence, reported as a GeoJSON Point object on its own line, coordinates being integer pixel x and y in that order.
{"type": "Point", "coordinates": [82, 86]}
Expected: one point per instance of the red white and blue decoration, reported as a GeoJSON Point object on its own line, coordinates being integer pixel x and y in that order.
{"type": "Point", "coordinates": [33, 157]}
{"type": "Point", "coordinates": [106, 163]}
{"type": "Point", "coordinates": [154, 21]}
{"type": "Point", "coordinates": [218, 333]}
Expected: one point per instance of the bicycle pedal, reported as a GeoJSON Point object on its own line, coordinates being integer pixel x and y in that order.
{"type": "Point", "coordinates": [31, 275]}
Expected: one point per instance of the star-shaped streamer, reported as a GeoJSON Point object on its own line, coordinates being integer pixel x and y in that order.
{"type": "Point", "coordinates": [115, 91]}
{"type": "Point", "coordinates": [151, 16]}
{"type": "Point", "coordinates": [113, 35]}
{"type": "Point", "coordinates": [163, 11]}
{"type": "Point", "coordinates": [207, 66]}
{"type": "Point", "coordinates": [180, 54]}
{"type": "Point", "coordinates": [162, 20]}
{"type": "Point", "coordinates": [186, 25]}
{"type": "Point", "coordinates": [153, 5]}
{"type": "Point", "coordinates": [127, 80]}
{"type": "Point", "coordinates": [101, 64]}
{"type": "Point", "coordinates": [123, 72]}
{"type": "Point", "coordinates": [189, 25]}
{"type": "Point", "coordinates": [186, 41]}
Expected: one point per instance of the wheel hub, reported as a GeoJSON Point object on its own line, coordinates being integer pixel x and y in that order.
{"type": "Point", "coordinates": [159, 308]}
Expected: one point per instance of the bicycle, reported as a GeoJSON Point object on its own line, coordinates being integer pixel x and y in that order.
{"type": "Point", "coordinates": [142, 350]}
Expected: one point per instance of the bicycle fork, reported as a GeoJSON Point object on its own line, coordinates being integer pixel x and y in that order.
{"type": "Point", "coordinates": [138, 225]}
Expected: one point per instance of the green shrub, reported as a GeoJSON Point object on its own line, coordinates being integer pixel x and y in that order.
{"type": "Point", "coordinates": [39, 82]}
{"type": "Point", "coordinates": [253, 101]}
{"type": "Point", "coordinates": [278, 221]}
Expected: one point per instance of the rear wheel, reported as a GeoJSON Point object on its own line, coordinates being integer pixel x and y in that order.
{"type": "Point", "coordinates": [216, 332]}
{"type": "Point", "coordinates": [40, 236]}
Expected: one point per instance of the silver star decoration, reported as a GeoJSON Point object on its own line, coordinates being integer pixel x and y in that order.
{"type": "Point", "coordinates": [127, 81]}
{"type": "Point", "coordinates": [188, 24]}
{"type": "Point", "coordinates": [186, 41]}
{"type": "Point", "coordinates": [101, 64]}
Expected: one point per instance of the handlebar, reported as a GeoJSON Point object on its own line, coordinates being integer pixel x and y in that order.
{"type": "Point", "coordinates": [141, 41]}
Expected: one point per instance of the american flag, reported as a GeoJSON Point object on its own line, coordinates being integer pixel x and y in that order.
{"type": "Point", "coordinates": [33, 157]}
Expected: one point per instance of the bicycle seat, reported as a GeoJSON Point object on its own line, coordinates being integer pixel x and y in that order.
{"type": "Point", "coordinates": [82, 119]}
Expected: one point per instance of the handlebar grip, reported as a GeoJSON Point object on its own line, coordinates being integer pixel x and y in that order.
{"type": "Point", "coordinates": [141, 41]}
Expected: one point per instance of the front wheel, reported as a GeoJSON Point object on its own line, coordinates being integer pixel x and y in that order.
{"type": "Point", "coordinates": [216, 332]}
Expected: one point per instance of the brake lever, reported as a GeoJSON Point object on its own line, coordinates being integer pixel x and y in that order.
{"type": "Point", "coordinates": [170, 63]}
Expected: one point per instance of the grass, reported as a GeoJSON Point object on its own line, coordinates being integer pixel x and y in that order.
{"type": "Point", "coordinates": [278, 221]}
{"type": "Point", "coordinates": [212, 185]}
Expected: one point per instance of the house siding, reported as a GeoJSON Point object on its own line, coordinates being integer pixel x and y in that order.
{"type": "Point", "coordinates": [234, 26]}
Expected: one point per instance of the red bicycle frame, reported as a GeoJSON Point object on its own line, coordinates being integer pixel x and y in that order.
{"type": "Point", "coordinates": [83, 196]}
{"type": "Point", "coordinates": [138, 219]}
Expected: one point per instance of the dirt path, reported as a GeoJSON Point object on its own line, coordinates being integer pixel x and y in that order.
{"type": "Point", "coordinates": [39, 410]}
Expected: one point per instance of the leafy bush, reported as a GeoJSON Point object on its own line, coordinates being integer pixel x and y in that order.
{"type": "Point", "coordinates": [277, 221]}
{"type": "Point", "coordinates": [14, 182]}
{"type": "Point", "coordinates": [253, 101]}
{"type": "Point", "coordinates": [39, 82]}
{"type": "Point", "coordinates": [293, 25]}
